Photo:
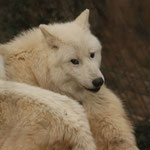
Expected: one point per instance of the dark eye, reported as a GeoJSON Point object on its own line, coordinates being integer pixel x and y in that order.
{"type": "Point", "coordinates": [75, 61]}
{"type": "Point", "coordinates": [92, 55]}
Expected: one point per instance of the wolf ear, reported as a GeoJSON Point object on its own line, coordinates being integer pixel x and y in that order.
{"type": "Point", "coordinates": [51, 40]}
{"type": "Point", "coordinates": [83, 19]}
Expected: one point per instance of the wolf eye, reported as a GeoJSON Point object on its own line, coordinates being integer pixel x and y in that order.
{"type": "Point", "coordinates": [92, 55]}
{"type": "Point", "coordinates": [75, 61]}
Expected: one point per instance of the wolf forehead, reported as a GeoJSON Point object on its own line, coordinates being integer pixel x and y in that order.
{"type": "Point", "coordinates": [75, 33]}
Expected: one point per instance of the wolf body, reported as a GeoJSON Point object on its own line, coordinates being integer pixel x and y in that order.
{"type": "Point", "coordinates": [65, 58]}
{"type": "Point", "coordinates": [32, 118]}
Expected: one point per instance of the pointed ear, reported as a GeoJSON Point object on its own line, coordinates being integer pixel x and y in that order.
{"type": "Point", "coordinates": [83, 19]}
{"type": "Point", "coordinates": [51, 40]}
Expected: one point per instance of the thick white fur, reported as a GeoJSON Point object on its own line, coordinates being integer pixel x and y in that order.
{"type": "Point", "coordinates": [41, 57]}
{"type": "Point", "coordinates": [36, 119]}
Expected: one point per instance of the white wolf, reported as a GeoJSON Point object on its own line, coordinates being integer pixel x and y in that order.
{"type": "Point", "coordinates": [66, 58]}
{"type": "Point", "coordinates": [36, 119]}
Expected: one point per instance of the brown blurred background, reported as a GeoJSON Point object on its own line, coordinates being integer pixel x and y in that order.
{"type": "Point", "coordinates": [123, 26]}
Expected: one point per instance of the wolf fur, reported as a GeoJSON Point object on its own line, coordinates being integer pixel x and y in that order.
{"type": "Point", "coordinates": [32, 118]}
{"type": "Point", "coordinates": [41, 57]}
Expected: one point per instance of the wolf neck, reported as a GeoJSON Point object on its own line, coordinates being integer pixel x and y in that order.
{"type": "Point", "coordinates": [21, 68]}
{"type": "Point", "coordinates": [19, 55]}
{"type": "Point", "coordinates": [83, 96]}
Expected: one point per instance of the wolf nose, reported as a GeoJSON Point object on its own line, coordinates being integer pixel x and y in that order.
{"type": "Point", "coordinates": [98, 82]}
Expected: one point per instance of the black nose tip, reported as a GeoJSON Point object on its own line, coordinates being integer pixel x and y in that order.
{"type": "Point", "coordinates": [98, 82]}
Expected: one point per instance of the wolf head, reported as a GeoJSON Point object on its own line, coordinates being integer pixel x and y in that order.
{"type": "Point", "coordinates": [74, 55]}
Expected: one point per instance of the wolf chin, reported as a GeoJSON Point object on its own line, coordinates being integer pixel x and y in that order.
{"type": "Point", "coordinates": [65, 58]}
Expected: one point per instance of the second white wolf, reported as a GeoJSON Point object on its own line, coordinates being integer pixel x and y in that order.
{"type": "Point", "coordinates": [65, 58]}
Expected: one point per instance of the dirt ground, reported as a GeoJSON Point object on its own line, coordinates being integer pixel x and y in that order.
{"type": "Point", "coordinates": [124, 30]}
